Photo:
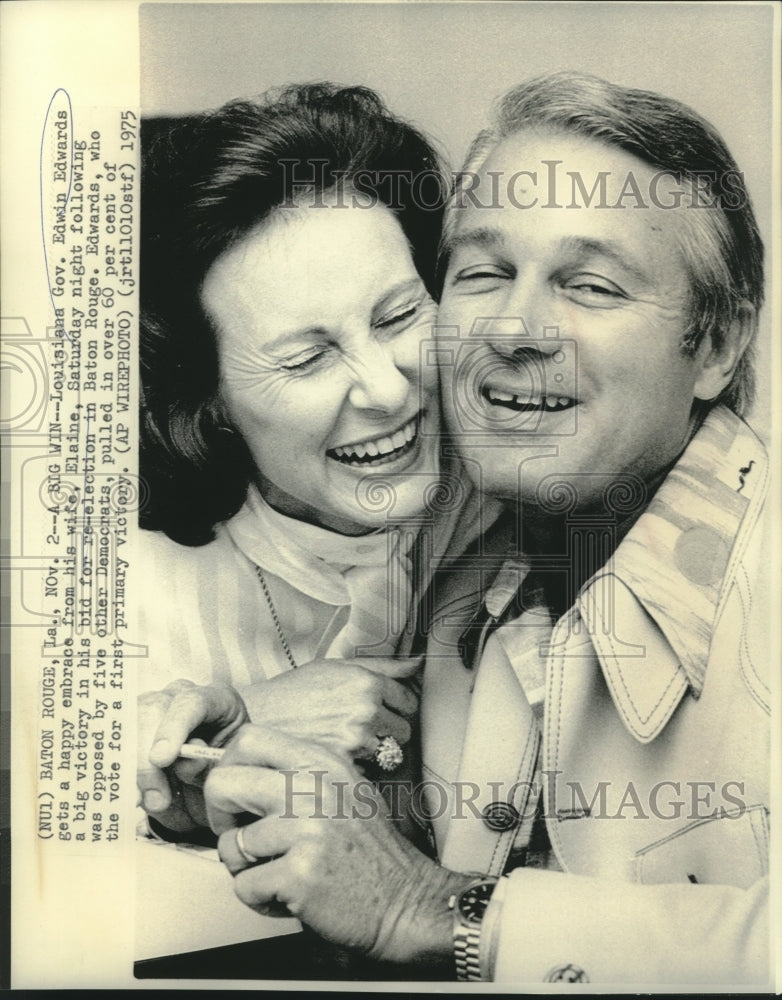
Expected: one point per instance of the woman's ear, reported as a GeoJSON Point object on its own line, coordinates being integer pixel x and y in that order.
{"type": "Point", "coordinates": [717, 364]}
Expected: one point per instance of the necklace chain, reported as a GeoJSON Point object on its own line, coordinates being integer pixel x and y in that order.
{"type": "Point", "coordinates": [275, 616]}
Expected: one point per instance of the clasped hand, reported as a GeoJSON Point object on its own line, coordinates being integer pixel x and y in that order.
{"type": "Point", "coordinates": [341, 705]}
{"type": "Point", "coordinates": [326, 851]}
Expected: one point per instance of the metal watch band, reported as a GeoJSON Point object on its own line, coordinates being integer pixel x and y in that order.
{"type": "Point", "coordinates": [468, 926]}
{"type": "Point", "coordinates": [466, 943]}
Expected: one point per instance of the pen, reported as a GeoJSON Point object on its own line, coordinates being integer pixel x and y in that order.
{"type": "Point", "coordinates": [194, 751]}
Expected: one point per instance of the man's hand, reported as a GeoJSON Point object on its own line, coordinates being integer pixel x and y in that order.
{"type": "Point", "coordinates": [171, 789]}
{"type": "Point", "coordinates": [327, 852]}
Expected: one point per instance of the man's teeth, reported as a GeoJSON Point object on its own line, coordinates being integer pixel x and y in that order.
{"type": "Point", "coordinates": [378, 447]}
{"type": "Point", "coordinates": [529, 402]}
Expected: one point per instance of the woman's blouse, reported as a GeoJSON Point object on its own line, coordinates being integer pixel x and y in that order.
{"type": "Point", "coordinates": [204, 614]}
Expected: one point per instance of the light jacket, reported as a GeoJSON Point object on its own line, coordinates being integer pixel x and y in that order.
{"type": "Point", "coordinates": [653, 739]}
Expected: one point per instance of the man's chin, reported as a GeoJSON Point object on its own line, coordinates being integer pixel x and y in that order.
{"type": "Point", "coordinates": [504, 471]}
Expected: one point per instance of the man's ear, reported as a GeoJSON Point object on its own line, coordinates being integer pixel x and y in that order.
{"type": "Point", "coordinates": [717, 364]}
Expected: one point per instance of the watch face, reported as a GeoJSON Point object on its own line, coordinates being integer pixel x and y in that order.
{"type": "Point", "coordinates": [474, 900]}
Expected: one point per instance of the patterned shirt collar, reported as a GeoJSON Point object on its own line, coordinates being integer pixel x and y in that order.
{"type": "Point", "coordinates": [677, 557]}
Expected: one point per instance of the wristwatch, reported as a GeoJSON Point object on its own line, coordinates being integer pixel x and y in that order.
{"type": "Point", "coordinates": [469, 907]}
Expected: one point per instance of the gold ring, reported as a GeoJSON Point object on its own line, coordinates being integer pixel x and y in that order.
{"type": "Point", "coordinates": [248, 857]}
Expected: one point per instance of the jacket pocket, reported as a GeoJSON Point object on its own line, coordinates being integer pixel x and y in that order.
{"type": "Point", "coordinates": [731, 849]}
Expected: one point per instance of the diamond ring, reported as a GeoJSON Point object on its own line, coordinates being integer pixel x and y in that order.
{"type": "Point", "coordinates": [388, 754]}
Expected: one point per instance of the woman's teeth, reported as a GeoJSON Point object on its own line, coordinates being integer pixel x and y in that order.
{"type": "Point", "coordinates": [528, 402]}
{"type": "Point", "coordinates": [378, 450]}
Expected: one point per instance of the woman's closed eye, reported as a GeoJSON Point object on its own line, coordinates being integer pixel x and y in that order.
{"type": "Point", "coordinates": [311, 358]}
{"type": "Point", "coordinates": [306, 360]}
{"type": "Point", "coordinates": [399, 316]}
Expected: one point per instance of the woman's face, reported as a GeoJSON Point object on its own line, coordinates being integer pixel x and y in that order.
{"type": "Point", "coordinates": [321, 318]}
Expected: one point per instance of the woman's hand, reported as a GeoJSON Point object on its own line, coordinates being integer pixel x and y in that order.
{"type": "Point", "coordinates": [171, 789]}
{"type": "Point", "coordinates": [326, 851]}
{"type": "Point", "coordinates": [340, 704]}
{"type": "Point", "coordinates": [345, 705]}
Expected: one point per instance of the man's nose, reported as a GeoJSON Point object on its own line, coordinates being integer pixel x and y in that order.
{"type": "Point", "coordinates": [513, 339]}
{"type": "Point", "coordinates": [527, 323]}
{"type": "Point", "coordinates": [378, 381]}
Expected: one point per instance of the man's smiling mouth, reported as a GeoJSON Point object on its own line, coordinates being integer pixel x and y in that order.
{"type": "Point", "coordinates": [528, 402]}
{"type": "Point", "coordinates": [380, 450]}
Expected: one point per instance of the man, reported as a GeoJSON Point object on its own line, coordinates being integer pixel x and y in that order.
{"type": "Point", "coordinates": [595, 709]}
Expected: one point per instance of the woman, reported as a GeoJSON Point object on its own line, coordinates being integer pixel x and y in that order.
{"type": "Point", "coordinates": [290, 428]}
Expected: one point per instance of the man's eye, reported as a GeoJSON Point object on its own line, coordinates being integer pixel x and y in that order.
{"type": "Point", "coordinates": [594, 290]}
{"type": "Point", "coordinates": [479, 279]}
{"type": "Point", "coordinates": [480, 272]}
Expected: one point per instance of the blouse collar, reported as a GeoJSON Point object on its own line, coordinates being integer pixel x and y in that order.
{"type": "Point", "coordinates": [310, 558]}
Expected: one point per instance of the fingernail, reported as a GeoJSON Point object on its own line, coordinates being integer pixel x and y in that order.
{"type": "Point", "coordinates": [154, 802]}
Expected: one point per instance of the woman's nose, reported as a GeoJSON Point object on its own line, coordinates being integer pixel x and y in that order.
{"type": "Point", "coordinates": [379, 383]}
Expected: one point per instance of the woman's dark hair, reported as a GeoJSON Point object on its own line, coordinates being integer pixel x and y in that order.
{"type": "Point", "coordinates": [208, 180]}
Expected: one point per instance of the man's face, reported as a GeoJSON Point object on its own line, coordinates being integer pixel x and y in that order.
{"type": "Point", "coordinates": [593, 384]}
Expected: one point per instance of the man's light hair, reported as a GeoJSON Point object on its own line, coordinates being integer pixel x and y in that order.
{"type": "Point", "coordinates": [721, 245]}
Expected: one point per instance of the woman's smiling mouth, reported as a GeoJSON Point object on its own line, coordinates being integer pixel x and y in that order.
{"type": "Point", "coordinates": [380, 450]}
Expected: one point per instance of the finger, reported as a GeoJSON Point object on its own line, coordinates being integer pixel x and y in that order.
{"type": "Point", "coordinates": [264, 888]}
{"type": "Point", "coordinates": [263, 840]}
{"type": "Point", "coordinates": [269, 747]}
{"type": "Point", "coordinates": [399, 698]}
{"type": "Point", "coordinates": [189, 771]}
{"type": "Point", "coordinates": [155, 790]}
{"type": "Point", "coordinates": [190, 708]}
{"type": "Point", "coordinates": [401, 668]}
{"type": "Point", "coordinates": [291, 792]}
{"type": "Point", "coordinates": [180, 684]}
{"type": "Point", "coordinates": [232, 791]}
{"type": "Point", "coordinates": [152, 783]}
{"type": "Point", "coordinates": [388, 724]}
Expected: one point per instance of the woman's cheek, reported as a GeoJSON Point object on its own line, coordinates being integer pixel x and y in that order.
{"type": "Point", "coordinates": [411, 353]}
